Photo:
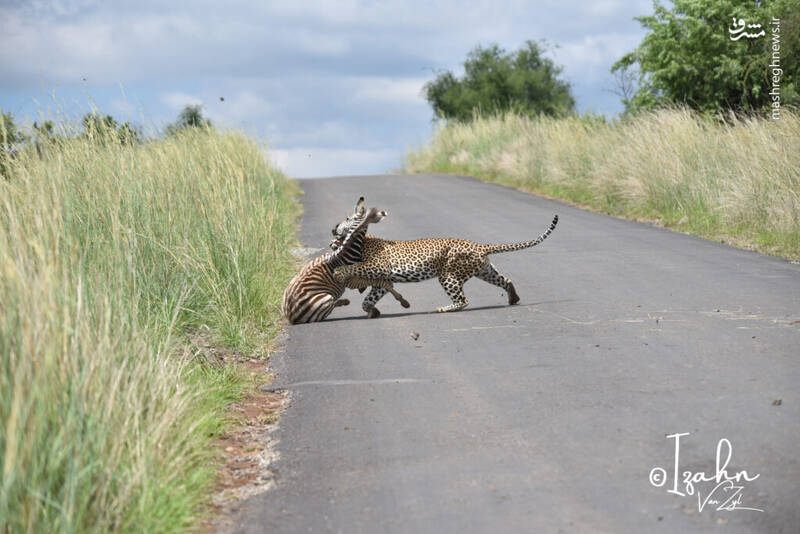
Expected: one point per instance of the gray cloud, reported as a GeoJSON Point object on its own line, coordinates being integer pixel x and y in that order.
{"type": "Point", "coordinates": [329, 75]}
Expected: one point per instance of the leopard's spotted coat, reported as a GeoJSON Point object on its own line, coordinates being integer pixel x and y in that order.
{"type": "Point", "coordinates": [452, 261]}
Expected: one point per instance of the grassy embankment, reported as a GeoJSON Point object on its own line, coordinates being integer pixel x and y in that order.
{"type": "Point", "coordinates": [738, 183]}
{"type": "Point", "coordinates": [109, 256]}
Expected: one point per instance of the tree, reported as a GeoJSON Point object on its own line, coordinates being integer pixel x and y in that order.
{"type": "Point", "coordinates": [129, 134]}
{"type": "Point", "coordinates": [688, 56]}
{"type": "Point", "coordinates": [10, 134]}
{"type": "Point", "coordinates": [44, 130]}
{"type": "Point", "coordinates": [496, 81]}
{"type": "Point", "coordinates": [11, 138]}
{"type": "Point", "coordinates": [99, 127]}
{"type": "Point", "coordinates": [104, 128]}
{"type": "Point", "coordinates": [43, 136]}
{"type": "Point", "coordinates": [190, 117]}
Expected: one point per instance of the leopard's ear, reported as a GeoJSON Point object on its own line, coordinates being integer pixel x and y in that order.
{"type": "Point", "coordinates": [360, 208]}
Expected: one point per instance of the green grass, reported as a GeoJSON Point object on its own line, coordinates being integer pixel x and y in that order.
{"type": "Point", "coordinates": [110, 256]}
{"type": "Point", "coordinates": [737, 182]}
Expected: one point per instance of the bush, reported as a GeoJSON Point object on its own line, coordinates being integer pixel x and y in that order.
{"type": "Point", "coordinates": [497, 81]}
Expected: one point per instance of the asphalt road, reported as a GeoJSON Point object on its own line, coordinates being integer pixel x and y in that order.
{"type": "Point", "coordinates": [551, 415]}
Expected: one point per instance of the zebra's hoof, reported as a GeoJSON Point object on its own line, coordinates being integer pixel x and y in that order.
{"type": "Point", "coordinates": [373, 313]}
{"type": "Point", "coordinates": [404, 303]}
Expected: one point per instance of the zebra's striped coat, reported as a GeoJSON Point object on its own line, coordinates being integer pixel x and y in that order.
{"type": "Point", "coordinates": [313, 293]}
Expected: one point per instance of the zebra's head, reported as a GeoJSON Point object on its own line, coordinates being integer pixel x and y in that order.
{"type": "Point", "coordinates": [358, 220]}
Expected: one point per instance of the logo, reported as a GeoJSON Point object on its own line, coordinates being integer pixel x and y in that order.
{"type": "Point", "coordinates": [737, 30]}
{"type": "Point", "coordinates": [724, 491]}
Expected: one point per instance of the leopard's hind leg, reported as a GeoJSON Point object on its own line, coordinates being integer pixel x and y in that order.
{"type": "Point", "coordinates": [378, 290]}
{"type": "Point", "coordinates": [454, 287]}
{"type": "Point", "coordinates": [493, 276]}
{"type": "Point", "coordinates": [375, 294]}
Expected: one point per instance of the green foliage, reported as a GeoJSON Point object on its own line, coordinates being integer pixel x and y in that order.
{"type": "Point", "coordinates": [189, 117]}
{"type": "Point", "coordinates": [44, 130]}
{"type": "Point", "coordinates": [738, 181]}
{"type": "Point", "coordinates": [128, 134]}
{"type": "Point", "coordinates": [97, 124]}
{"type": "Point", "coordinates": [10, 134]}
{"type": "Point", "coordinates": [688, 57]}
{"type": "Point", "coordinates": [102, 128]}
{"type": "Point", "coordinates": [43, 136]}
{"type": "Point", "coordinates": [113, 258]}
{"type": "Point", "coordinates": [495, 80]}
{"type": "Point", "coordinates": [10, 139]}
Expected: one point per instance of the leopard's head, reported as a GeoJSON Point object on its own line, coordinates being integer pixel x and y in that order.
{"type": "Point", "coordinates": [353, 221]}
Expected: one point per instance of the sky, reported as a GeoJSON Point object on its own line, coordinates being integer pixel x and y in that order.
{"type": "Point", "coordinates": [331, 87]}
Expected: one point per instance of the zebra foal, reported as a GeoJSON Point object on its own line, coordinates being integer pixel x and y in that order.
{"type": "Point", "coordinates": [314, 292]}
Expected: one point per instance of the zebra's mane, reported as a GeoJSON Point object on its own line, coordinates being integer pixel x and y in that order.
{"type": "Point", "coordinates": [349, 252]}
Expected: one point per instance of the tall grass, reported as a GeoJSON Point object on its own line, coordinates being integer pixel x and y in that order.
{"type": "Point", "coordinates": [737, 181]}
{"type": "Point", "coordinates": [109, 255]}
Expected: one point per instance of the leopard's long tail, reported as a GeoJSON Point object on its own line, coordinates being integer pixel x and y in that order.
{"type": "Point", "coordinates": [494, 249]}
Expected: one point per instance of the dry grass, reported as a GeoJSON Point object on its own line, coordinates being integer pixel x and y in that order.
{"type": "Point", "coordinates": [737, 182]}
{"type": "Point", "coordinates": [109, 255]}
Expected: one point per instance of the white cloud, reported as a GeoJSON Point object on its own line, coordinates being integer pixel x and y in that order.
{"type": "Point", "coordinates": [603, 7]}
{"type": "Point", "coordinates": [344, 76]}
{"type": "Point", "coordinates": [395, 90]}
{"type": "Point", "coordinates": [327, 133]}
{"type": "Point", "coordinates": [314, 162]}
{"type": "Point", "coordinates": [68, 51]}
{"type": "Point", "coordinates": [590, 58]}
{"type": "Point", "coordinates": [319, 43]}
{"type": "Point", "coordinates": [241, 107]}
{"type": "Point", "coordinates": [122, 108]}
{"type": "Point", "coordinates": [176, 101]}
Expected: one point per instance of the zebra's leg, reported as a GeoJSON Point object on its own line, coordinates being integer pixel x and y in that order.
{"type": "Point", "coordinates": [403, 302]}
{"type": "Point", "coordinates": [341, 302]}
{"type": "Point", "coordinates": [454, 287]}
{"type": "Point", "coordinates": [493, 276]}
{"type": "Point", "coordinates": [375, 294]}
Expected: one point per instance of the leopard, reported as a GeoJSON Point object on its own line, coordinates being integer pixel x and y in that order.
{"type": "Point", "coordinates": [452, 260]}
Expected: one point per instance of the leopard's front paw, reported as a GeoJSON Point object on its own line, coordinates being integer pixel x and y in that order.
{"type": "Point", "coordinates": [373, 313]}
{"type": "Point", "coordinates": [452, 307]}
{"type": "Point", "coordinates": [340, 275]}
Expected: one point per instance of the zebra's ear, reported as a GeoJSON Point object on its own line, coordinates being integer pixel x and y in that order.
{"type": "Point", "coordinates": [375, 215]}
{"type": "Point", "coordinates": [360, 208]}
